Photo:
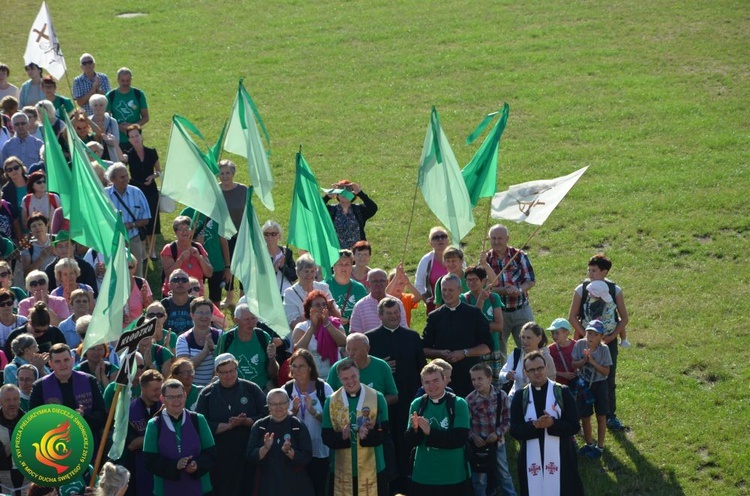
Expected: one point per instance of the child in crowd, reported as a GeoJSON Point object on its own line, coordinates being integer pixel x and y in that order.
{"type": "Point", "coordinates": [490, 420]}
{"type": "Point", "coordinates": [397, 282]}
{"type": "Point", "coordinates": [447, 373]}
{"type": "Point", "coordinates": [593, 359]}
{"type": "Point", "coordinates": [602, 307]}
{"type": "Point", "coordinates": [561, 350]}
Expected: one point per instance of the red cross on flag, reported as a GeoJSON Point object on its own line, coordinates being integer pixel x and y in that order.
{"type": "Point", "coordinates": [43, 48]}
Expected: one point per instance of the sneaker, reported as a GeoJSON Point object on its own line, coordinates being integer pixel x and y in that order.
{"type": "Point", "coordinates": [586, 449]}
{"type": "Point", "coordinates": [615, 424]}
{"type": "Point", "coordinates": [594, 452]}
{"type": "Point", "coordinates": [625, 343]}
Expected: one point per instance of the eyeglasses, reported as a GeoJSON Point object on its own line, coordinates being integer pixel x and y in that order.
{"type": "Point", "coordinates": [7, 303]}
{"type": "Point", "coordinates": [438, 237]}
{"type": "Point", "coordinates": [194, 289]}
{"type": "Point", "coordinates": [12, 168]}
{"type": "Point", "coordinates": [535, 370]}
{"type": "Point", "coordinates": [270, 234]}
{"type": "Point", "coordinates": [278, 405]}
{"type": "Point", "coordinates": [40, 181]}
{"type": "Point", "coordinates": [87, 62]}
{"type": "Point", "coordinates": [4, 274]}
{"type": "Point", "coordinates": [38, 282]}
{"type": "Point", "coordinates": [157, 315]}
{"type": "Point", "coordinates": [227, 372]}
{"type": "Point", "coordinates": [178, 280]}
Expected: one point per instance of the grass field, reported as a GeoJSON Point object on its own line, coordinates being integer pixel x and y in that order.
{"type": "Point", "coordinates": [652, 95]}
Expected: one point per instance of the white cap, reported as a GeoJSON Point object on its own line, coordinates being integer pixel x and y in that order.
{"type": "Point", "coordinates": [599, 289]}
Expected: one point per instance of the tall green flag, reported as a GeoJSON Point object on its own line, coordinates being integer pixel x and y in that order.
{"type": "Point", "coordinates": [252, 266]}
{"type": "Point", "coordinates": [243, 138]}
{"type": "Point", "coordinates": [93, 218]}
{"type": "Point", "coordinates": [189, 180]}
{"type": "Point", "coordinates": [441, 183]}
{"type": "Point", "coordinates": [106, 319]}
{"type": "Point", "coordinates": [211, 155]}
{"type": "Point", "coordinates": [480, 174]}
{"type": "Point", "coordinates": [310, 225]}
{"type": "Point", "coordinates": [58, 173]}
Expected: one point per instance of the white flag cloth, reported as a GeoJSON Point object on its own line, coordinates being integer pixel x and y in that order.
{"type": "Point", "coordinates": [532, 202]}
{"type": "Point", "coordinates": [43, 49]}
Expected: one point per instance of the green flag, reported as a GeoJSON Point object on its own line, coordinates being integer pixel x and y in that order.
{"type": "Point", "coordinates": [190, 181]}
{"type": "Point", "coordinates": [93, 218]}
{"type": "Point", "coordinates": [310, 225]}
{"type": "Point", "coordinates": [214, 152]}
{"type": "Point", "coordinates": [59, 176]}
{"type": "Point", "coordinates": [106, 319]}
{"type": "Point", "coordinates": [210, 156]}
{"type": "Point", "coordinates": [243, 138]}
{"type": "Point", "coordinates": [480, 175]}
{"type": "Point", "coordinates": [122, 417]}
{"type": "Point", "coordinates": [441, 183]}
{"type": "Point", "coordinates": [252, 266]}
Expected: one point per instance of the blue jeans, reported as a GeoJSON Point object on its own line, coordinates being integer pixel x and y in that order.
{"type": "Point", "coordinates": [504, 480]}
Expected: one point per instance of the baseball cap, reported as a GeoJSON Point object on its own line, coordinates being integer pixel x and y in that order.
{"type": "Point", "coordinates": [222, 359]}
{"type": "Point", "coordinates": [596, 326]}
{"type": "Point", "coordinates": [560, 323]}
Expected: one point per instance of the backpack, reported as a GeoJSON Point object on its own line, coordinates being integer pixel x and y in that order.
{"type": "Point", "coordinates": [585, 296]}
{"type": "Point", "coordinates": [111, 96]}
{"type": "Point", "coordinates": [450, 404]}
{"type": "Point", "coordinates": [227, 342]}
{"type": "Point", "coordinates": [507, 386]}
{"type": "Point", "coordinates": [173, 252]}
{"type": "Point", "coordinates": [556, 391]}
{"type": "Point", "coordinates": [320, 390]}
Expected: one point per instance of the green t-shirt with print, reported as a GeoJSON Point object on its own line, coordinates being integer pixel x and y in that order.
{"type": "Point", "coordinates": [339, 292]}
{"type": "Point", "coordinates": [376, 375]}
{"type": "Point", "coordinates": [126, 107]}
{"type": "Point", "coordinates": [436, 466]}
{"type": "Point", "coordinates": [251, 355]}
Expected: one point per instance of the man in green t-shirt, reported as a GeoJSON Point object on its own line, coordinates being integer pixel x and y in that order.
{"type": "Point", "coordinates": [373, 371]}
{"type": "Point", "coordinates": [439, 428]}
{"type": "Point", "coordinates": [127, 104]}
{"type": "Point", "coordinates": [345, 290]}
{"type": "Point", "coordinates": [252, 347]}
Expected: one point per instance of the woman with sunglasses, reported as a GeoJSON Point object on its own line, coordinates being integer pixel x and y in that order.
{"type": "Point", "coordinates": [162, 336]}
{"type": "Point", "coordinates": [6, 282]}
{"type": "Point", "coordinates": [14, 189]}
{"type": "Point", "coordinates": [431, 267]}
{"type": "Point", "coordinates": [37, 199]}
{"type": "Point", "coordinates": [140, 295]}
{"type": "Point", "coordinates": [55, 306]}
{"type": "Point", "coordinates": [184, 371]}
{"type": "Point", "coordinates": [9, 321]}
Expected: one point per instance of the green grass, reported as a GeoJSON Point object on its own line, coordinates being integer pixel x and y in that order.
{"type": "Point", "coordinates": [652, 95]}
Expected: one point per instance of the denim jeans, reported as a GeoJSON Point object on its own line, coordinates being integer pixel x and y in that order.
{"type": "Point", "coordinates": [504, 480]}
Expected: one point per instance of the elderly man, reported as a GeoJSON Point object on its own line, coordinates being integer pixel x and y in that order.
{"type": "Point", "coordinates": [543, 417]}
{"type": "Point", "coordinates": [252, 347]}
{"type": "Point", "coordinates": [355, 425]}
{"type": "Point", "coordinates": [402, 349]}
{"type": "Point", "coordinates": [231, 406]}
{"type": "Point", "coordinates": [439, 429]}
{"type": "Point", "coordinates": [10, 414]}
{"type": "Point", "coordinates": [373, 372]}
{"type": "Point", "coordinates": [142, 409]}
{"type": "Point", "coordinates": [131, 202]}
{"type": "Point", "coordinates": [73, 389]}
{"type": "Point", "coordinates": [89, 83]}
{"type": "Point", "coordinates": [23, 145]}
{"type": "Point", "coordinates": [345, 290]}
{"type": "Point", "coordinates": [127, 104]}
{"type": "Point", "coordinates": [515, 276]}
{"type": "Point", "coordinates": [281, 447]}
{"type": "Point", "coordinates": [365, 316]}
{"type": "Point", "coordinates": [457, 333]}
{"type": "Point", "coordinates": [178, 446]}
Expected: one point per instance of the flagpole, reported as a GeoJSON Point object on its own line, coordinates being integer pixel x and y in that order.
{"type": "Point", "coordinates": [411, 218]}
{"type": "Point", "coordinates": [497, 276]}
{"type": "Point", "coordinates": [486, 227]}
{"type": "Point", "coordinates": [105, 435]}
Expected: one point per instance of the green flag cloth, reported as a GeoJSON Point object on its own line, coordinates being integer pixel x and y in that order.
{"type": "Point", "coordinates": [59, 177]}
{"type": "Point", "coordinates": [310, 225]}
{"type": "Point", "coordinates": [440, 181]}
{"type": "Point", "coordinates": [252, 265]}
{"type": "Point", "coordinates": [480, 174]}
{"type": "Point", "coordinates": [243, 138]}
{"type": "Point", "coordinates": [122, 417]}
{"type": "Point", "coordinates": [93, 218]}
{"type": "Point", "coordinates": [211, 155]}
{"type": "Point", "coordinates": [214, 152]}
{"type": "Point", "coordinates": [106, 319]}
{"type": "Point", "coordinates": [190, 181]}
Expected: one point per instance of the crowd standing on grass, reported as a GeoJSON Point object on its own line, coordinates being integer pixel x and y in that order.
{"type": "Point", "coordinates": [352, 401]}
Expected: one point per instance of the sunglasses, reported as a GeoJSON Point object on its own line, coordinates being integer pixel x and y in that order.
{"type": "Point", "coordinates": [4, 274]}
{"type": "Point", "coordinates": [439, 236]}
{"type": "Point", "coordinates": [38, 282]}
{"type": "Point", "coordinates": [157, 315]}
{"type": "Point", "coordinates": [6, 304]}
{"type": "Point", "coordinates": [12, 168]}
{"type": "Point", "coordinates": [87, 62]}
{"type": "Point", "coordinates": [196, 289]}
{"type": "Point", "coordinates": [178, 280]}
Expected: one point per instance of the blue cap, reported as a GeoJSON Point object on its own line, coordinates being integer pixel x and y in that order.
{"type": "Point", "coordinates": [596, 326]}
{"type": "Point", "coordinates": [560, 323]}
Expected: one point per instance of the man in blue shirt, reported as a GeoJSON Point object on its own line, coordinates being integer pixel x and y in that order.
{"type": "Point", "coordinates": [135, 211]}
{"type": "Point", "coordinates": [23, 145]}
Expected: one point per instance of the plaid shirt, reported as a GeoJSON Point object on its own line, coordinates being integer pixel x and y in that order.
{"type": "Point", "coordinates": [484, 417]}
{"type": "Point", "coordinates": [82, 85]}
{"type": "Point", "coordinates": [518, 272]}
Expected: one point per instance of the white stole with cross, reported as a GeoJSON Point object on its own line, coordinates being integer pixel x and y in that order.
{"type": "Point", "coordinates": [543, 479]}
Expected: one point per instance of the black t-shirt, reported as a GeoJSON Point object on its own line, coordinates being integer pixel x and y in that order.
{"type": "Point", "coordinates": [45, 341]}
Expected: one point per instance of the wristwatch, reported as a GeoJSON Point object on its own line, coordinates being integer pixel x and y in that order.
{"type": "Point", "coordinates": [466, 353]}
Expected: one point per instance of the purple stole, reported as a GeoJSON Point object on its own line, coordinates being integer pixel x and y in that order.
{"type": "Point", "coordinates": [81, 391]}
{"type": "Point", "coordinates": [190, 444]}
{"type": "Point", "coordinates": [138, 418]}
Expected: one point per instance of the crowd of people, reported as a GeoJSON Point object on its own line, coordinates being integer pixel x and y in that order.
{"type": "Point", "coordinates": [352, 400]}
